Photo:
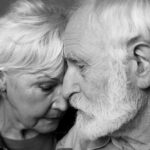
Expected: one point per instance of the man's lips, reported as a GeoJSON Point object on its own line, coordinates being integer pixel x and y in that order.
{"type": "Point", "coordinates": [74, 101]}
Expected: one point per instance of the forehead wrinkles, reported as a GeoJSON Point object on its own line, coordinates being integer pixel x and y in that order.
{"type": "Point", "coordinates": [76, 27]}
{"type": "Point", "coordinates": [80, 47]}
{"type": "Point", "coordinates": [83, 42]}
{"type": "Point", "coordinates": [74, 40]}
{"type": "Point", "coordinates": [72, 44]}
{"type": "Point", "coordinates": [83, 39]}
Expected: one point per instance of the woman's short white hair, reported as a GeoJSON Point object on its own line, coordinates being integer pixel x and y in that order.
{"type": "Point", "coordinates": [30, 36]}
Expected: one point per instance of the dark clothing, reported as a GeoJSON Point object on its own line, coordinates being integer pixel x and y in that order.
{"type": "Point", "coordinates": [131, 141]}
{"type": "Point", "coordinates": [40, 142]}
{"type": "Point", "coordinates": [112, 144]}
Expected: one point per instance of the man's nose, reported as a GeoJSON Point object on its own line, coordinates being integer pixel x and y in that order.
{"type": "Point", "coordinates": [70, 83]}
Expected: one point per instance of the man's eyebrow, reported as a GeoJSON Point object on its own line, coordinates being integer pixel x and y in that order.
{"type": "Point", "coordinates": [75, 59]}
{"type": "Point", "coordinates": [46, 76]}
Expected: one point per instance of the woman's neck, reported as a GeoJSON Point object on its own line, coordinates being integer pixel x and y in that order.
{"type": "Point", "coordinates": [11, 128]}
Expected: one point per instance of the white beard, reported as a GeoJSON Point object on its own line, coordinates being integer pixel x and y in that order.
{"type": "Point", "coordinates": [92, 128]}
{"type": "Point", "coordinates": [108, 113]}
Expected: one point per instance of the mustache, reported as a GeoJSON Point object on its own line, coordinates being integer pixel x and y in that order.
{"type": "Point", "coordinates": [79, 102]}
{"type": "Point", "coordinates": [75, 100]}
{"type": "Point", "coordinates": [88, 106]}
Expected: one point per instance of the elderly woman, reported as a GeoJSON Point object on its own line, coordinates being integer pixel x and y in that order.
{"type": "Point", "coordinates": [31, 71]}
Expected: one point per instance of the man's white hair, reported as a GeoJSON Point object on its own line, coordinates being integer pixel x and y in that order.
{"type": "Point", "coordinates": [112, 24]}
{"type": "Point", "coordinates": [122, 19]}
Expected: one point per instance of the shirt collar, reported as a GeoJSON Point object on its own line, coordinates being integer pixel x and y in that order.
{"type": "Point", "coordinates": [99, 143]}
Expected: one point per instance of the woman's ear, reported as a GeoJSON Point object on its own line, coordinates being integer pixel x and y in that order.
{"type": "Point", "coordinates": [2, 81]}
{"type": "Point", "coordinates": [142, 57]}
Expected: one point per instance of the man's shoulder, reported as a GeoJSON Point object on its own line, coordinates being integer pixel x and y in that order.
{"type": "Point", "coordinates": [72, 141]}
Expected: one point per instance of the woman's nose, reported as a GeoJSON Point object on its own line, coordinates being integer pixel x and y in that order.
{"type": "Point", "coordinates": [70, 83]}
{"type": "Point", "coordinates": [60, 103]}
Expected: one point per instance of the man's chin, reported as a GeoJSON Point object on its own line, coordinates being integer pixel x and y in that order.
{"type": "Point", "coordinates": [92, 128]}
{"type": "Point", "coordinates": [89, 129]}
{"type": "Point", "coordinates": [83, 123]}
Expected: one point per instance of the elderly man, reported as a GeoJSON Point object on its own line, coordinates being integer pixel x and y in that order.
{"type": "Point", "coordinates": [107, 49]}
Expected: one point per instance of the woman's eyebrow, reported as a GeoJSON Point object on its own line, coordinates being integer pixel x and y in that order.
{"type": "Point", "coordinates": [49, 79]}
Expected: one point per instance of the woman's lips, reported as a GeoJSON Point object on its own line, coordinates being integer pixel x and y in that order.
{"type": "Point", "coordinates": [54, 117]}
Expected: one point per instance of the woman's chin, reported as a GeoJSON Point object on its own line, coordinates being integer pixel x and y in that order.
{"type": "Point", "coordinates": [46, 126]}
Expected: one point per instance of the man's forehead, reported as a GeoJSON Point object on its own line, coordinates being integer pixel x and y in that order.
{"type": "Point", "coordinates": [74, 35]}
{"type": "Point", "coordinates": [74, 51]}
{"type": "Point", "coordinates": [80, 36]}
{"type": "Point", "coordinates": [78, 23]}
{"type": "Point", "coordinates": [81, 44]}
{"type": "Point", "coordinates": [80, 31]}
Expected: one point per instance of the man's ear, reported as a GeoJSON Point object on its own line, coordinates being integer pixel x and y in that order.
{"type": "Point", "coordinates": [2, 81]}
{"type": "Point", "coordinates": [142, 57]}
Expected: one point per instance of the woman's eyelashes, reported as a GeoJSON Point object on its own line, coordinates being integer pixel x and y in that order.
{"type": "Point", "coordinates": [48, 86]}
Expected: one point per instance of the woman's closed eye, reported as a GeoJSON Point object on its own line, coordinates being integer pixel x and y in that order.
{"type": "Point", "coordinates": [48, 86]}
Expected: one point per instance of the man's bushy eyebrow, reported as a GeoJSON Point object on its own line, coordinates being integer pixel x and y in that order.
{"type": "Point", "coordinates": [75, 59]}
{"type": "Point", "coordinates": [71, 57]}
